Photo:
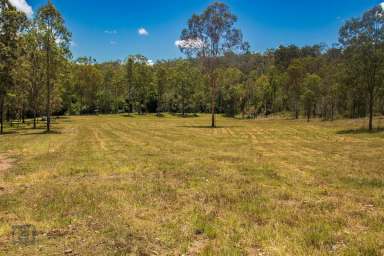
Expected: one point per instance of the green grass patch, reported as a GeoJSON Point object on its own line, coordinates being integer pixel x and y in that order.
{"type": "Point", "coordinates": [147, 185]}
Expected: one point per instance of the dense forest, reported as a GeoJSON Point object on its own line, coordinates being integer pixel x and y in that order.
{"type": "Point", "coordinates": [219, 74]}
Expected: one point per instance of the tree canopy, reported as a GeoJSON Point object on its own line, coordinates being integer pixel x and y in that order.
{"type": "Point", "coordinates": [38, 75]}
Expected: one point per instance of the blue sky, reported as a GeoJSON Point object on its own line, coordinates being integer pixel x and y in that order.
{"type": "Point", "coordinates": [108, 30]}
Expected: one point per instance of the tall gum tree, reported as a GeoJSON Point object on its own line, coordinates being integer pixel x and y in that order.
{"type": "Point", "coordinates": [56, 40]}
{"type": "Point", "coordinates": [363, 44]}
{"type": "Point", "coordinates": [12, 23]}
{"type": "Point", "coordinates": [34, 56]}
{"type": "Point", "coordinates": [209, 36]}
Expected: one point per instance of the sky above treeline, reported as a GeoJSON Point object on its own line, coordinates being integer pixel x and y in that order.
{"type": "Point", "coordinates": [111, 30]}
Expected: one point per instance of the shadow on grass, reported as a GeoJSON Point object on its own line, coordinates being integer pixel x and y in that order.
{"type": "Point", "coordinates": [8, 132]}
{"type": "Point", "coordinates": [185, 115]}
{"type": "Point", "coordinates": [36, 132]}
{"type": "Point", "coordinates": [62, 117]}
{"type": "Point", "coordinates": [207, 127]}
{"type": "Point", "coordinates": [127, 115]}
{"type": "Point", "coordinates": [361, 131]}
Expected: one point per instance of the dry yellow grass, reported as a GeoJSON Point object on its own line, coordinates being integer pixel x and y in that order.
{"type": "Point", "coordinates": [116, 185]}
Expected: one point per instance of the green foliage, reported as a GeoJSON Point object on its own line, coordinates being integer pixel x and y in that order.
{"type": "Point", "coordinates": [221, 75]}
{"type": "Point", "coordinates": [311, 92]}
{"type": "Point", "coordinates": [363, 42]}
{"type": "Point", "coordinates": [231, 86]}
{"type": "Point", "coordinates": [55, 39]}
{"type": "Point", "coordinates": [12, 23]}
{"type": "Point", "coordinates": [210, 35]}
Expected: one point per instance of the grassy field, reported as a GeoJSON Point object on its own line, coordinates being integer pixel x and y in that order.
{"type": "Point", "coordinates": [120, 185]}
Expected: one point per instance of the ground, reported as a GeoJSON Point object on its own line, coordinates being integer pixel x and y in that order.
{"type": "Point", "coordinates": [130, 185]}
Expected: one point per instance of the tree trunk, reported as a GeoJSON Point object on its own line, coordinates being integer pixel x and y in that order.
{"type": "Point", "coordinates": [266, 111]}
{"type": "Point", "coordinates": [158, 110]}
{"type": "Point", "coordinates": [296, 108]}
{"type": "Point", "coordinates": [213, 102]}
{"type": "Point", "coordinates": [1, 114]}
{"type": "Point", "coordinates": [48, 81]}
{"type": "Point", "coordinates": [34, 119]}
{"type": "Point", "coordinates": [8, 115]}
{"type": "Point", "coordinates": [48, 103]}
{"type": "Point", "coordinates": [23, 115]}
{"type": "Point", "coordinates": [371, 102]}
{"type": "Point", "coordinates": [48, 110]}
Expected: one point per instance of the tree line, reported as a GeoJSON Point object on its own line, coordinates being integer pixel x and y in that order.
{"type": "Point", "coordinates": [219, 74]}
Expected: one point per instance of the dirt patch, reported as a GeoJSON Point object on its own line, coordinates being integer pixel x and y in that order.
{"type": "Point", "coordinates": [5, 163]}
{"type": "Point", "coordinates": [197, 247]}
{"type": "Point", "coordinates": [255, 252]}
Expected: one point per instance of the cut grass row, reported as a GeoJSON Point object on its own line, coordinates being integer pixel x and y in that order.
{"type": "Point", "coordinates": [115, 185]}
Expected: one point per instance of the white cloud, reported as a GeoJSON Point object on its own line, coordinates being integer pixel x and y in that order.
{"type": "Point", "coordinates": [190, 43]}
{"type": "Point", "coordinates": [111, 32]}
{"type": "Point", "coordinates": [382, 6]}
{"type": "Point", "coordinates": [150, 62]}
{"type": "Point", "coordinates": [22, 6]}
{"type": "Point", "coordinates": [143, 32]}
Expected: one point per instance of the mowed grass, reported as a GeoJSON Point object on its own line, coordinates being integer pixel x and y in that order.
{"type": "Point", "coordinates": [118, 185]}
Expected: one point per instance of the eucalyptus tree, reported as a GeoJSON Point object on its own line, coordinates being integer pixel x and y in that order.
{"type": "Point", "coordinates": [276, 82]}
{"type": "Point", "coordinates": [20, 90]}
{"type": "Point", "coordinates": [251, 101]}
{"type": "Point", "coordinates": [331, 75]}
{"type": "Point", "coordinates": [296, 73]}
{"type": "Point", "coordinates": [56, 39]}
{"type": "Point", "coordinates": [209, 36]}
{"type": "Point", "coordinates": [129, 81]}
{"type": "Point", "coordinates": [12, 23]}
{"type": "Point", "coordinates": [363, 42]}
{"type": "Point", "coordinates": [111, 89]}
{"type": "Point", "coordinates": [35, 59]}
{"type": "Point", "coordinates": [231, 80]}
{"type": "Point", "coordinates": [87, 79]}
{"type": "Point", "coordinates": [311, 93]}
{"type": "Point", "coordinates": [284, 55]}
{"type": "Point", "coordinates": [264, 90]}
{"type": "Point", "coordinates": [143, 82]}
{"type": "Point", "coordinates": [185, 78]}
{"type": "Point", "coordinates": [161, 83]}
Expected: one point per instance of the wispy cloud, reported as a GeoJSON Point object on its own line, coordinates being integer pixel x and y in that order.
{"type": "Point", "coordinates": [22, 6]}
{"type": "Point", "coordinates": [112, 42]}
{"type": "Point", "coordinates": [143, 32]}
{"type": "Point", "coordinates": [190, 43]}
{"type": "Point", "coordinates": [73, 44]}
{"type": "Point", "coordinates": [111, 32]}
